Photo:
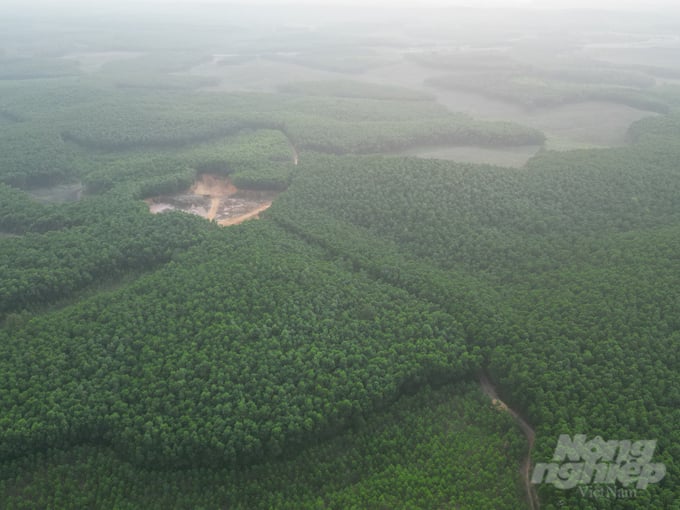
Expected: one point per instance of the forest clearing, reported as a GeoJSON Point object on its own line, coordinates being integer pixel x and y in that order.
{"type": "Point", "coordinates": [215, 198]}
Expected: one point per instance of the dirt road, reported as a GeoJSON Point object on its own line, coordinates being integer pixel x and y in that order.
{"type": "Point", "coordinates": [490, 390]}
{"type": "Point", "coordinates": [294, 153]}
{"type": "Point", "coordinates": [235, 220]}
{"type": "Point", "coordinates": [214, 205]}
{"type": "Point", "coordinates": [296, 158]}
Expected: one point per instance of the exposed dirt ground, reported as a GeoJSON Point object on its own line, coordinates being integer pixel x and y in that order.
{"type": "Point", "coordinates": [213, 186]}
{"type": "Point", "coordinates": [217, 199]}
{"type": "Point", "coordinates": [254, 214]}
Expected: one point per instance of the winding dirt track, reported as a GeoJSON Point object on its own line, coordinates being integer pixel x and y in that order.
{"type": "Point", "coordinates": [214, 205]}
{"type": "Point", "coordinates": [295, 155]}
{"type": "Point", "coordinates": [490, 390]}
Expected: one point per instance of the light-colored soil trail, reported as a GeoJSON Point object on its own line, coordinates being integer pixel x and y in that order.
{"type": "Point", "coordinates": [214, 205]}
{"type": "Point", "coordinates": [296, 156]}
{"type": "Point", "coordinates": [254, 214]}
{"type": "Point", "coordinates": [490, 390]}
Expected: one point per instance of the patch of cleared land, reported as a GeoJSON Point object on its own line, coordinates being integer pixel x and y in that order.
{"type": "Point", "coordinates": [215, 198]}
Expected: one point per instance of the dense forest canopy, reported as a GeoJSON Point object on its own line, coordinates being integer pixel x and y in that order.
{"type": "Point", "coordinates": [330, 353]}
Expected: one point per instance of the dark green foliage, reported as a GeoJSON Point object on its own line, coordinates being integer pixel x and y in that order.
{"type": "Point", "coordinates": [262, 366]}
{"type": "Point", "coordinates": [32, 156]}
{"type": "Point", "coordinates": [278, 315]}
{"type": "Point", "coordinates": [268, 176]}
{"type": "Point", "coordinates": [373, 137]}
{"type": "Point", "coordinates": [482, 216]}
{"type": "Point", "coordinates": [20, 213]}
{"type": "Point", "coordinates": [45, 149]}
{"type": "Point", "coordinates": [256, 159]}
{"type": "Point", "coordinates": [141, 177]}
{"type": "Point", "coordinates": [602, 341]}
{"type": "Point", "coordinates": [430, 450]}
{"type": "Point", "coordinates": [656, 130]}
{"type": "Point", "coordinates": [158, 123]}
{"type": "Point", "coordinates": [89, 242]}
{"type": "Point", "coordinates": [261, 159]}
{"type": "Point", "coordinates": [578, 256]}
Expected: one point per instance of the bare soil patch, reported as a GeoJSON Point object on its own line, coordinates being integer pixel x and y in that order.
{"type": "Point", "coordinates": [215, 198]}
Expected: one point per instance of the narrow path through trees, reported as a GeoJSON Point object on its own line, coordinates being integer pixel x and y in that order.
{"type": "Point", "coordinates": [490, 390]}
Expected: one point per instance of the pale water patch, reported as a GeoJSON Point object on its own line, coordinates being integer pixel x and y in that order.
{"type": "Point", "coordinates": [597, 123]}
{"type": "Point", "coordinates": [500, 156]}
{"type": "Point", "coordinates": [593, 123]}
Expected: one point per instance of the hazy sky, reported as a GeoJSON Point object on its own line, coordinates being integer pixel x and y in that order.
{"type": "Point", "coordinates": [602, 4]}
{"type": "Point", "coordinates": [610, 4]}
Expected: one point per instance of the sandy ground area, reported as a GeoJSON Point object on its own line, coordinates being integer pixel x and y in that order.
{"type": "Point", "coordinates": [216, 198]}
